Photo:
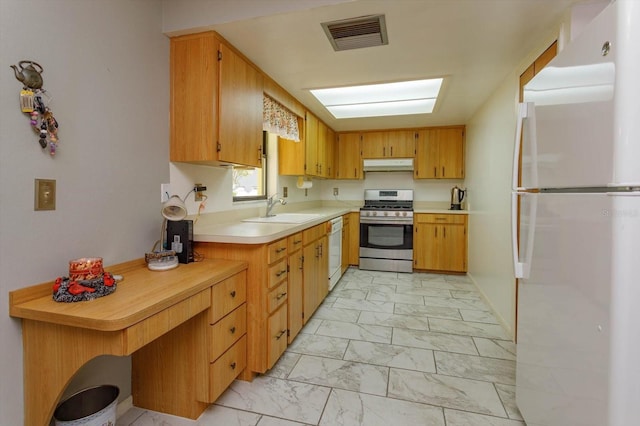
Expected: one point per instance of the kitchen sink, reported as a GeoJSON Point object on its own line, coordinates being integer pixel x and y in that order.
{"type": "Point", "coordinates": [285, 218]}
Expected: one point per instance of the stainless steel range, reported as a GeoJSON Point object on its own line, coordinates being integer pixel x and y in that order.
{"type": "Point", "coordinates": [386, 230]}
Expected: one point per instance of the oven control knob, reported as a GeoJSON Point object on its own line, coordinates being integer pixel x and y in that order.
{"type": "Point", "coordinates": [404, 213]}
{"type": "Point", "coordinates": [397, 213]}
{"type": "Point", "coordinates": [386, 213]}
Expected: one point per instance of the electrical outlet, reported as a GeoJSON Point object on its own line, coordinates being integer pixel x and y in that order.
{"type": "Point", "coordinates": [198, 189]}
{"type": "Point", "coordinates": [285, 192]}
{"type": "Point", "coordinates": [165, 190]}
{"type": "Point", "coordinates": [335, 192]}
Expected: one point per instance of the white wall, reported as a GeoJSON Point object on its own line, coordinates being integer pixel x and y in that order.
{"type": "Point", "coordinates": [490, 135]}
{"type": "Point", "coordinates": [106, 67]}
{"type": "Point", "coordinates": [490, 143]}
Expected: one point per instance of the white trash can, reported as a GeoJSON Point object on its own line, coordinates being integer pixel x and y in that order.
{"type": "Point", "coordinates": [89, 407]}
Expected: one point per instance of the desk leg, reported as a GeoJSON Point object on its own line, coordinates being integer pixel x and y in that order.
{"type": "Point", "coordinates": [52, 355]}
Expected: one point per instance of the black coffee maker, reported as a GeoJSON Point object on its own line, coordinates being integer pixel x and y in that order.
{"type": "Point", "coordinates": [457, 195]}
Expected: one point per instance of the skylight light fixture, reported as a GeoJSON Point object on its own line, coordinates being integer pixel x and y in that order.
{"type": "Point", "coordinates": [375, 100]}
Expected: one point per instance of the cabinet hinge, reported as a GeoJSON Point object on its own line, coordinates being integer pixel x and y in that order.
{"type": "Point", "coordinates": [219, 55]}
{"type": "Point", "coordinates": [303, 315]}
{"type": "Point", "coordinates": [288, 269]}
{"type": "Point", "coordinates": [218, 147]}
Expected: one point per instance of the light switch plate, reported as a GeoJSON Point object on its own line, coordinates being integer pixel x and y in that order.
{"type": "Point", "coordinates": [45, 194]}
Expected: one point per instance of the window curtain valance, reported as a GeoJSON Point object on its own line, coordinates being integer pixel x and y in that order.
{"type": "Point", "coordinates": [279, 120]}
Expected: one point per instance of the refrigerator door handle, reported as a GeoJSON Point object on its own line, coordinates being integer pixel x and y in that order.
{"type": "Point", "coordinates": [523, 269]}
{"type": "Point", "coordinates": [526, 110]}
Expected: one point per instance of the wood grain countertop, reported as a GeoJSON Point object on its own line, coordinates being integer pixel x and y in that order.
{"type": "Point", "coordinates": [142, 294]}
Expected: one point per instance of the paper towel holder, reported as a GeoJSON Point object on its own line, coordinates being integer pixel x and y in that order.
{"type": "Point", "coordinates": [304, 183]}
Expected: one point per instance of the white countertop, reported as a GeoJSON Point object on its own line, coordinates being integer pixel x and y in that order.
{"type": "Point", "coordinates": [239, 232]}
{"type": "Point", "coordinates": [259, 233]}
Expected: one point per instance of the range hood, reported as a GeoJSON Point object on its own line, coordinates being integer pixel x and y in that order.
{"type": "Point", "coordinates": [388, 165]}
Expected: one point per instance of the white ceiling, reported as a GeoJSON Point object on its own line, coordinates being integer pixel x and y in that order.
{"type": "Point", "coordinates": [474, 44]}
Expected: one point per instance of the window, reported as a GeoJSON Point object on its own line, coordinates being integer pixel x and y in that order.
{"type": "Point", "coordinates": [250, 183]}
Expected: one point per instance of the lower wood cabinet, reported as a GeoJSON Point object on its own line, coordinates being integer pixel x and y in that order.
{"type": "Point", "coordinates": [315, 268]}
{"type": "Point", "coordinates": [440, 242]}
{"type": "Point", "coordinates": [277, 343]}
{"type": "Point", "coordinates": [209, 350]}
{"type": "Point", "coordinates": [354, 238]}
{"type": "Point", "coordinates": [295, 266]}
{"type": "Point", "coordinates": [286, 281]}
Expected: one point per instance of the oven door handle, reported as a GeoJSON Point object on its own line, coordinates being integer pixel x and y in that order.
{"type": "Point", "coordinates": [390, 221]}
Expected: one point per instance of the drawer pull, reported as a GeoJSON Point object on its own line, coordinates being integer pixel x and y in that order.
{"type": "Point", "coordinates": [233, 293]}
{"type": "Point", "coordinates": [441, 218]}
{"type": "Point", "coordinates": [280, 250]}
{"type": "Point", "coordinates": [278, 274]}
{"type": "Point", "coordinates": [297, 241]}
{"type": "Point", "coordinates": [232, 330]}
{"type": "Point", "coordinates": [233, 365]}
{"type": "Point", "coordinates": [280, 334]}
{"type": "Point", "coordinates": [281, 295]}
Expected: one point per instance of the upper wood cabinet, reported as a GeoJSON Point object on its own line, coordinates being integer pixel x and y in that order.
{"type": "Point", "coordinates": [348, 158]}
{"type": "Point", "coordinates": [291, 154]}
{"type": "Point", "coordinates": [440, 153]}
{"type": "Point", "coordinates": [216, 103]}
{"type": "Point", "coordinates": [312, 166]}
{"type": "Point", "coordinates": [314, 156]}
{"type": "Point", "coordinates": [389, 144]}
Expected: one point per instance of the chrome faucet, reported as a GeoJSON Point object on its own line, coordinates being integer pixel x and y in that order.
{"type": "Point", "coordinates": [271, 202]}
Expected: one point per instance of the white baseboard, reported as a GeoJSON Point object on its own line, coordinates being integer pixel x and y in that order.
{"type": "Point", "coordinates": [124, 406]}
{"type": "Point", "coordinates": [501, 320]}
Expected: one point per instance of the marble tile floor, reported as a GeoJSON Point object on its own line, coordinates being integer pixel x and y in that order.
{"type": "Point", "coordinates": [383, 349]}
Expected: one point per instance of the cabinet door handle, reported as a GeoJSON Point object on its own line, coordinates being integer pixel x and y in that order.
{"type": "Point", "coordinates": [321, 250]}
{"type": "Point", "coordinates": [355, 172]}
{"type": "Point", "coordinates": [233, 329]}
{"type": "Point", "coordinates": [279, 274]}
{"type": "Point", "coordinates": [443, 175]}
{"type": "Point", "coordinates": [301, 263]}
{"type": "Point", "coordinates": [259, 154]}
{"type": "Point", "coordinates": [233, 365]}
{"type": "Point", "coordinates": [281, 334]}
{"type": "Point", "coordinates": [391, 149]}
{"type": "Point", "coordinates": [233, 293]}
{"type": "Point", "coordinates": [436, 229]}
{"type": "Point", "coordinates": [281, 295]}
{"type": "Point", "coordinates": [444, 232]}
{"type": "Point", "coordinates": [435, 172]}
{"type": "Point", "coordinates": [384, 151]}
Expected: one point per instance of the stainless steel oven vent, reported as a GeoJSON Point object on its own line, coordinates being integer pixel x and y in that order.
{"type": "Point", "coordinates": [356, 33]}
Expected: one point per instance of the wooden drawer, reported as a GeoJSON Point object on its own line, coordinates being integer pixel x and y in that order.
{"type": "Point", "coordinates": [315, 232]}
{"type": "Point", "coordinates": [227, 331]}
{"type": "Point", "coordinates": [226, 368]}
{"type": "Point", "coordinates": [277, 342]}
{"type": "Point", "coordinates": [277, 296]}
{"type": "Point", "coordinates": [440, 218]}
{"type": "Point", "coordinates": [294, 242]}
{"type": "Point", "coordinates": [227, 296]}
{"type": "Point", "coordinates": [277, 273]}
{"type": "Point", "coordinates": [276, 251]}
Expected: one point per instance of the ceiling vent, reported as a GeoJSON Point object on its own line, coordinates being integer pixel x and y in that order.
{"type": "Point", "coordinates": [356, 33]}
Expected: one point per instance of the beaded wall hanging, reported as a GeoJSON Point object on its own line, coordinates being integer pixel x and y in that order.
{"type": "Point", "coordinates": [34, 102]}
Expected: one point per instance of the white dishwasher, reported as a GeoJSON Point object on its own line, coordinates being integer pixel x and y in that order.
{"type": "Point", "coordinates": [335, 251]}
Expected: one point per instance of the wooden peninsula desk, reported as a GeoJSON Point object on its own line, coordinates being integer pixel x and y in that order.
{"type": "Point", "coordinates": [185, 329]}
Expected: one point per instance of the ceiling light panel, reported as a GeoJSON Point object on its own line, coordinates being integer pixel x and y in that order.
{"type": "Point", "coordinates": [379, 109]}
{"type": "Point", "coordinates": [417, 89]}
{"type": "Point", "coordinates": [407, 97]}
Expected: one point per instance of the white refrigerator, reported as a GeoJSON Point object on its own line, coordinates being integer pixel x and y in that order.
{"type": "Point", "coordinates": [577, 238]}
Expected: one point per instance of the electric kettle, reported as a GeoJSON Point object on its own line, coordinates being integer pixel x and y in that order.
{"type": "Point", "coordinates": [457, 195]}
